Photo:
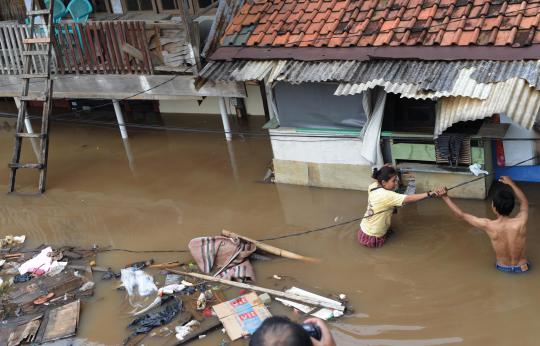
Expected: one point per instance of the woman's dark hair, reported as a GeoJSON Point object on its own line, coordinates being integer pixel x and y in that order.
{"type": "Point", "coordinates": [280, 331]}
{"type": "Point", "coordinates": [504, 201]}
{"type": "Point", "coordinates": [384, 173]}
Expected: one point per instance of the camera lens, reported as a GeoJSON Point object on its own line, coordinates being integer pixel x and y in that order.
{"type": "Point", "coordinates": [313, 330]}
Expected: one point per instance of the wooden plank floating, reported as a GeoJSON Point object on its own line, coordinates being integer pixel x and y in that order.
{"type": "Point", "coordinates": [291, 296]}
{"type": "Point", "coordinates": [62, 322]}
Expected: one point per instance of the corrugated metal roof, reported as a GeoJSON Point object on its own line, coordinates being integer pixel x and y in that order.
{"type": "Point", "coordinates": [436, 76]}
{"type": "Point", "coordinates": [466, 90]}
{"type": "Point", "coordinates": [241, 70]}
{"type": "Point", "coordinates": [296, 72]}
{"type": "Point", "coordinates": [513, 98]}
{"type": "Point", "coordinates": [491, 71]}
{"type": "Point", "coordinates": [463, 85]}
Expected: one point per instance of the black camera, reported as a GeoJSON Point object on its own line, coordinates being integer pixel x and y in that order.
{"type": "Point", "coordinates": [313, 330]}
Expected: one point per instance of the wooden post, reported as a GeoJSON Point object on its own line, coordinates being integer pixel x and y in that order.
{"type": "Point", "coordinates": [240, 107]}
{"type": "Point", "coordinates": [191, 31]}
{"type": "Point", "coordinates": [120, 118]}
{"type": "Point", "coordinates": [269, 248]}
{"type": "Point", "coordinates": [225, 119]}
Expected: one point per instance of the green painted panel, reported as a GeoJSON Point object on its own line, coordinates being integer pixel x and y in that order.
{"type": "Point", "coordinates": [413, 151]}
{"type": "Point", "coordinates": [426, 152]}
{"type": "Point", "coordinates": [477, 155]}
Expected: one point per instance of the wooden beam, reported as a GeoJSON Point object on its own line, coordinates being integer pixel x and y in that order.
{"type": "Point", "coordinates": [269, 248]}
{"type": "Point", "coordinates": [121, 86]}
{"type": "Point", "coordinates": [295, 297]}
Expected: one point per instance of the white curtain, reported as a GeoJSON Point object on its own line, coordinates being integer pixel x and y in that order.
{"type": "Point", "coordinates": [373, 102]}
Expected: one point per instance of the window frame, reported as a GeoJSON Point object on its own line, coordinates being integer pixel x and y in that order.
{"type": "Point", "coordinates": [108, 6]}
{"type": "Point", "coordinates": [127, 10]}
{"type": "Point", "coordinates": [178, 10]}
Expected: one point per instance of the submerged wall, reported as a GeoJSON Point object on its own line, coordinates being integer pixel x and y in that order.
{"type": "Point", "coordinates": [319, 158]}
{"type": "Point", "coordinates": [331, 159]}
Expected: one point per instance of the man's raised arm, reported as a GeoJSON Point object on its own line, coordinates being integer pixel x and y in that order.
{"type": "Point", "coordinates": [460, 214]}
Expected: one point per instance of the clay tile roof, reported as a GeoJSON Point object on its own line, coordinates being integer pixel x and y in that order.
{"type": "Point", "coordinates": [350, 23]}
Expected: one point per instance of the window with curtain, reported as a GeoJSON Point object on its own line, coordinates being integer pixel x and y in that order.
{"type": "Point", "coordinates": [314, 105]}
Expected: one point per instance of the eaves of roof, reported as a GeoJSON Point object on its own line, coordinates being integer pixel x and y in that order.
{"type": "Point", "coordinates": [366, 53]}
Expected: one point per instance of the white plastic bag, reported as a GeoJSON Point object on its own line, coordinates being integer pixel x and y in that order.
{"type": "Point", "coordinates": [41, 261]}
{"type": "Point", "coordinates": [137, 282]}
{"type": "Point", "coordinates": [476, 169]}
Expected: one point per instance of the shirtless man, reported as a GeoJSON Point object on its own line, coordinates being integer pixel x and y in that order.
{"type": "Point", "coordinates": [507, 234]}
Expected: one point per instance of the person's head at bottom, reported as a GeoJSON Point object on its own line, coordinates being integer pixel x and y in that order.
{"type": "Point", "coordinates": [281, 331]}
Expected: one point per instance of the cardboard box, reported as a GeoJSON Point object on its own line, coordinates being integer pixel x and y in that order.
{"type": "Point", "coordinates": [242, 316]}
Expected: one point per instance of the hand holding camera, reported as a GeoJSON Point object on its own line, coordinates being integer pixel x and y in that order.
{"type": "Point", "coordinates": [319, 332]}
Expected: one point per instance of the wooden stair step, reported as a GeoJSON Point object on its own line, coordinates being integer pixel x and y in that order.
{"type": "Point", "coordinates": [37, 12]}
{"type": "Point", "coordinates": [41, 98]}
{"type": "Point", "coordinates": [35, 75]}
{"type": "Point", "coordinates": [37, 40]}
{"type": "Point", "coordinates": [30, 135]}
{"type": "Point", "coordinates": [35, 52]}
{"type": "Point", "coordinates": [26, 165]}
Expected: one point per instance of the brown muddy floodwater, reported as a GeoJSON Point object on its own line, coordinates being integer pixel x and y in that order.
{"type": "Point", "coordinates": [434, 283]}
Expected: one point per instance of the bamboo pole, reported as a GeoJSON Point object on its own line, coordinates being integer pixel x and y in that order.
{"type": "Point", "coordinates": [271, 249]}
{"type": "Point", "coordinates": [280, 294]}
{"type": "Point", "coordinates": [166, 265]}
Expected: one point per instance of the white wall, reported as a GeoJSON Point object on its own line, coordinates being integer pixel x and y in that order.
{"type": "Point", "coordinates": [345, 150]}
{"type": "Point", "coordinates": [210, 105]}
{"type": "Point", "coordinates": [516, 151]}
{"type": "Point", "coordinates": [253, 100]}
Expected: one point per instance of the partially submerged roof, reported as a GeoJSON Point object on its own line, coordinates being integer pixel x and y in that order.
{"type": "Point", "coordinates": [476, 57]}
{"type": "Point", "coordinates": [467, 90]}
{"type": "Point", "coordinates": [424, 29]}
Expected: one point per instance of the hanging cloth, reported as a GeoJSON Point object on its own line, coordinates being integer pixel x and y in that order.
{"type": "Point", "coordinates": [373, 102]}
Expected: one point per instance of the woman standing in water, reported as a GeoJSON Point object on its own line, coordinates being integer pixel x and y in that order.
{"type": "Point", "coordinates": [382, 200]}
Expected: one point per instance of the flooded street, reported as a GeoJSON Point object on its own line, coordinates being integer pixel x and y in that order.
{"type": "Point", "coordinates": [434, 283]}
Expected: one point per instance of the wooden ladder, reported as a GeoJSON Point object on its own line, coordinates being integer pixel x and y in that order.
{"type": "Point", "coordinates": [30, 50]}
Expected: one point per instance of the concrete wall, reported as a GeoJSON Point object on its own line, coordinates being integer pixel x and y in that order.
{"type": "Point", "coordinates": [334, 175]}
{"type": "Point", "coordinates": [210, 104]}
{"type": "Point", "coordinates": [316, 160]}
{"type": "Point", "coordinates": [317, 147]}
{"type": "Point", "coordinates": [336, 163]}
{"type": "Point", "coordinates": [428, 177]}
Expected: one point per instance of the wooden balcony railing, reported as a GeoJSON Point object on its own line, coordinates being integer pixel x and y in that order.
{"type": "Point", "coordinates": [101, 47]}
